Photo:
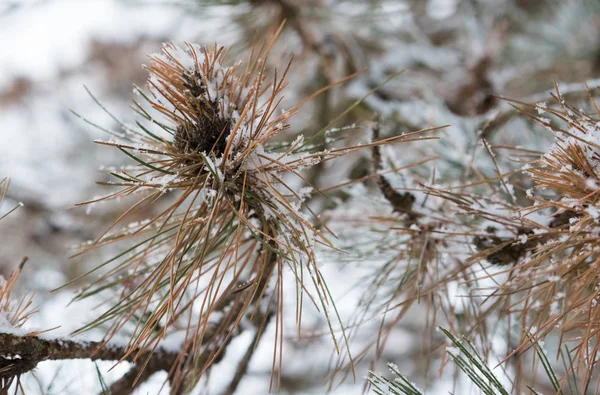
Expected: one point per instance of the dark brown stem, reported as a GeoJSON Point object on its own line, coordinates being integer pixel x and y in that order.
{"type": "Point", "coordinates": [126, 384]}
{"type": "Point", "coordinates": [141, 372]}
{"type": "Point", "coordinates": [240, 302]}
{"type": "Point", "coordinates": [20, 354]}
{"type": "Point", "coordinates": [401, 202]}
{"type": "Point", "coordinates": [260, 320]}
{"type": "Point", "coordinates": [242, 367]}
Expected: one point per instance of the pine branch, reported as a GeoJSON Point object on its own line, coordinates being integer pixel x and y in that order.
{"type": "Point", "coordinates": [477, 369]}
{"type": "Point", "coordinates": [21, 354]}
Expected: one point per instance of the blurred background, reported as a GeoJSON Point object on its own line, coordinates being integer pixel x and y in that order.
{"type": "Point", "coordinates": [457, 58]}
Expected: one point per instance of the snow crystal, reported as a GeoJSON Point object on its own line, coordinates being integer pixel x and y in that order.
{"type": "Point", "coordinates": [554, 279]}
{"type": "Point", "coordinates": [591, 183]}
{"type": "Point", "coordinates": [212, 167]}
{"type": "Point", "coordinates": [593, 212]}
{"type": "Point", "coordinates": [541, 107]}
{"type": "Point", "coordinates": [305, 192]}
{"type": "Point", "coordinates": [180, 55]}
{"type": "Point", "coordinates": [488, 147]}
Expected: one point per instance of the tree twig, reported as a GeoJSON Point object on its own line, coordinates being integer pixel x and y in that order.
{"type": "Point", "coordinates": [242, 367]}
{"type": "Point", "coordinates": [401, 202]}
{"type": "Point", "coordinates": [21, 354]}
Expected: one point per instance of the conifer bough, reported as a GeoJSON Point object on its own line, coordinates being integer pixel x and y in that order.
{"type": "Point", "coordinates": [211, 262]}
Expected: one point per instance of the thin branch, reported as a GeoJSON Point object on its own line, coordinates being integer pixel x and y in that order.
{"type": "Point", "coordinates": [128, 383]}
{"type": "Point", "coordinates": [21, 354]}
{"type": "Point", "coordinates": [401, 202]}
{"type": "Point", "coordinates": [242, 367]}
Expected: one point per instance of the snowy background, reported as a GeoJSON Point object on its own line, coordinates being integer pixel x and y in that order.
{"type": "Point", "coordinates": [449, 49]}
